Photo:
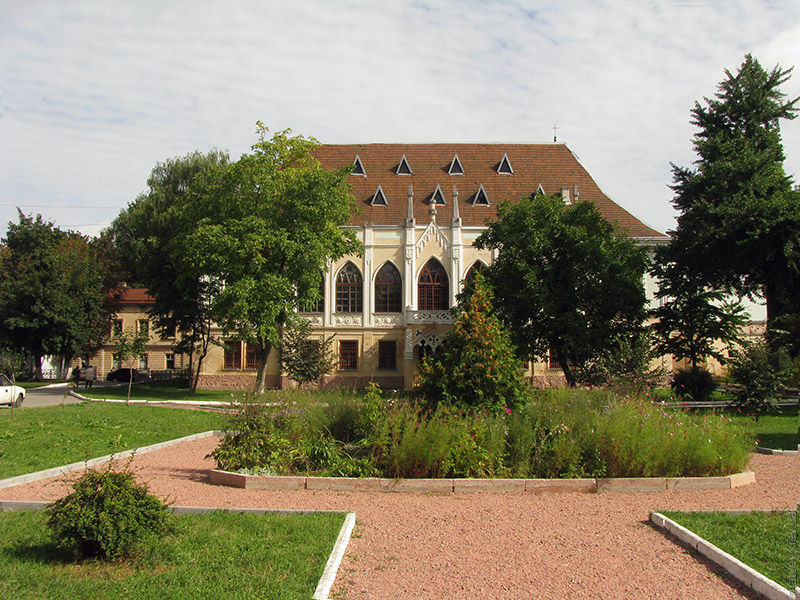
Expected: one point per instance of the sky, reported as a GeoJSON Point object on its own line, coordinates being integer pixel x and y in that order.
{"type": "Point", "coordinates": [93, 94]}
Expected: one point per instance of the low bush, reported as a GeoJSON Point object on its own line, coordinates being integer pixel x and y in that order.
{"type": "Point", "coordinates": [696, 383]}
{"type": "Point", "coordinates": [108, 515]}
{"type": "Point", "coordinates": [558, 433]}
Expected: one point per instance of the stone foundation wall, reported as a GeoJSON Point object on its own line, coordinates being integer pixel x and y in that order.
{"type": "Point", "coordinates": [232, 381]}
{"type": "Point", "coordinates": [544, 382]}
{"type": "Point", "coordinates": [388, 382]}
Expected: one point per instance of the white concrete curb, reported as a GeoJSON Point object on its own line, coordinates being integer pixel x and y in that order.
{"type": "Point", "coordinates": [332, 566]}
{"type": "Point", "coordinates": [176, 402]}
{"type": "Point", "coordinates": [747, 575]}
{"type": "Point", "coordinates": [761, 450]}
{"type": "Point", "coordinates": [77, 466]}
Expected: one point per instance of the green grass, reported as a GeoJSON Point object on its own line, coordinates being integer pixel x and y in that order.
{"type": "Point", "coordinates": [777, 429]}
{"type": "Point", "coordinates": [762, 540]}
{"type": "Point", "coordinates": [216, 555]}
{"type": "Point", "coordinates": [40, 438]}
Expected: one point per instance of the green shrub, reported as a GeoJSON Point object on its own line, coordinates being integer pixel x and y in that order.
{"type": "Point", "coordinates": [476, 366]}
{"type": "Point", "coordinates": [696, 383]}
{"type": "Point", "coordinates": [108, 515]}
{"type": "Point", "coordinates": [751, 368]}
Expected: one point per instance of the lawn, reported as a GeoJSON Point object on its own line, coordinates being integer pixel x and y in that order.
{"type": "Point", "coordinates": [215, 555]}
{"type": "Point", "coordinates": [40, 438]}
{"type": "Point", "coordinates": [761, 540]}
{"type": "Point", "coordinates": [779, 429]}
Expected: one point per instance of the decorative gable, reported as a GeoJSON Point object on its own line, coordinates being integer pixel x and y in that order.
{"type": "Point", "coordinates": [404, 168]}
{"type": "Point", "coordinates": [432, 233]}
{"type": "Point", "coordinates": [504, 168]}
{"type": "Point", "coordinates": [455, 166]}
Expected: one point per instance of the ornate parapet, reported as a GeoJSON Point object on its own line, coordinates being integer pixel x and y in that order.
{"type": "Point", "coordinates": [313, 319]}
{"type": "Point", "coordinates": [428, 316]}
{"type": "Point", "coordinates": [347, 320]}
{"type": "Point", "coordinates": [382, 320]}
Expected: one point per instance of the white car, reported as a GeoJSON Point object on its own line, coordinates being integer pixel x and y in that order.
{"type": "Point", "coordinates": [10, 393]}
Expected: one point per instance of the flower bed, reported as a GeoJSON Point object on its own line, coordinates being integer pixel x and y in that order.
{"type": "Point", "coordinates": [559, 434]}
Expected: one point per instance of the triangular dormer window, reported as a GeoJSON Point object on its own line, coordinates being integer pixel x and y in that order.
{"type": "Point", "coordinates": [481, 198]}
{"type": "Point", "coordinates": [358, 168]}
{"type": "Point", "coordinates": [504, 168]}
{"type": "Point", "coordinates": [438, 196]}
{"type": "Point", "coordinates": [379, 198]}
{"type": "Point", "coordinates": [455, 166]}
{"type": "Point", "coordinates": [404, 168]}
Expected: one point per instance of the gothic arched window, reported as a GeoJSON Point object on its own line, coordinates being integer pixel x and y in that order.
{"type": "Point", "coordinates": [476, 268]}
{"type": "Point", "coordinates": [433, 287]}
{"type": "Point", "coordinates": [348, 289]}
{"type": "Point", "coordinates": [388, 289]}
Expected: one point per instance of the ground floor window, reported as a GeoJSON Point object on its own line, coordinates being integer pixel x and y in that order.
{"type": "Point", "coordinates": [233, 354]}
{"type": "Point", "coordinates": [251, 356]}
{"type": "Point", "coordinates": [387, 355]}
{"type": "Point", "coordinates": [552, 360]}
{"type": "Point", "coordinates": [170, 361]}
{"type": "Point", "coordinates": [143, 362]}
{"type": "Point", "coordinates": [348, 355]}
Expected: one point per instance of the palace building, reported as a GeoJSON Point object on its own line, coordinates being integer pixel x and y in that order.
{"type": "Point", "coordinates": [421, 208]}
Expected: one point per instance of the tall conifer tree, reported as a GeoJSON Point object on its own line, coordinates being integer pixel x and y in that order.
{"type": "Point", "coordinates": [739, 223]}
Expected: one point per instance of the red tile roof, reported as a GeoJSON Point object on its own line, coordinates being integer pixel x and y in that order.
{"type": "Point", "coordinates": [553, 166]}
{"type": "Point", "coordinates": [136, 296]}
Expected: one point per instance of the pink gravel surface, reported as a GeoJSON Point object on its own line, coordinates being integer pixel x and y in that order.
{"type": "Point", "coordinates": [488, 545]}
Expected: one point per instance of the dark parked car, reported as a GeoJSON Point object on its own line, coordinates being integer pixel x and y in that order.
{"type": "Point", "coordinates": [124, 375]}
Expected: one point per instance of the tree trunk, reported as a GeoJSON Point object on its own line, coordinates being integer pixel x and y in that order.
{"type": "Point", "coordinates": [261, 374]}
{"type": "Point", "coordinates": [37, 366]}
{"type": "Point", "coordinates": [192, 375]}
{"type": "Point", "coordinates": [565, 368]}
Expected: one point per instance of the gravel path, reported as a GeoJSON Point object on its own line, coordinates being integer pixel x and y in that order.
{"type": "Point", "coordinates": [493, 546]}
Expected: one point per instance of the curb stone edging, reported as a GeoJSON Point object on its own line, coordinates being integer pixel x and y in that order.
{"type": "Point", "coordinates": [450, 485]}
{"type": "Point", "coordinates": [335, 558]}
{"type": "Point", "coordinates": [331, 566]}
{"type": "Point", "coordinates": [77, 466]}
{"type": "Point", "coordinates": [154, 402]}
{"type": "Point", "coordinates": [761, 450]}
{"type": "Point", "coordinates": [736, 568]}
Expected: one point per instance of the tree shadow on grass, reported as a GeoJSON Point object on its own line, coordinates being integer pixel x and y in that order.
{"type": "Point", "coordinates": [779, 441]}
{"type": "Point", "coordinates": [48, 553]}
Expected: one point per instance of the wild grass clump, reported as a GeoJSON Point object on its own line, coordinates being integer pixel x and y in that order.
{"type": "Point", "coordinates": [561, 433]}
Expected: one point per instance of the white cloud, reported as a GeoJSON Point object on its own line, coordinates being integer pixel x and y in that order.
{"type": "Point", "coordinates": [93, 94]}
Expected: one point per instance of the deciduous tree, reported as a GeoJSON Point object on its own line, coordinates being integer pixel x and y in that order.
{"type": "Point", "coordinates": [564, 280]}
{"type": "Point", "coordinates": [151, 236]}
{"type": "Point", "coordinates": [266, 227]}
{"type": "Point", "coordinates": [56, 290]}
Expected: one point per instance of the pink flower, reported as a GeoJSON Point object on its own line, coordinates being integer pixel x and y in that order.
{"type": "Point", "coordinates": [508, 410]}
